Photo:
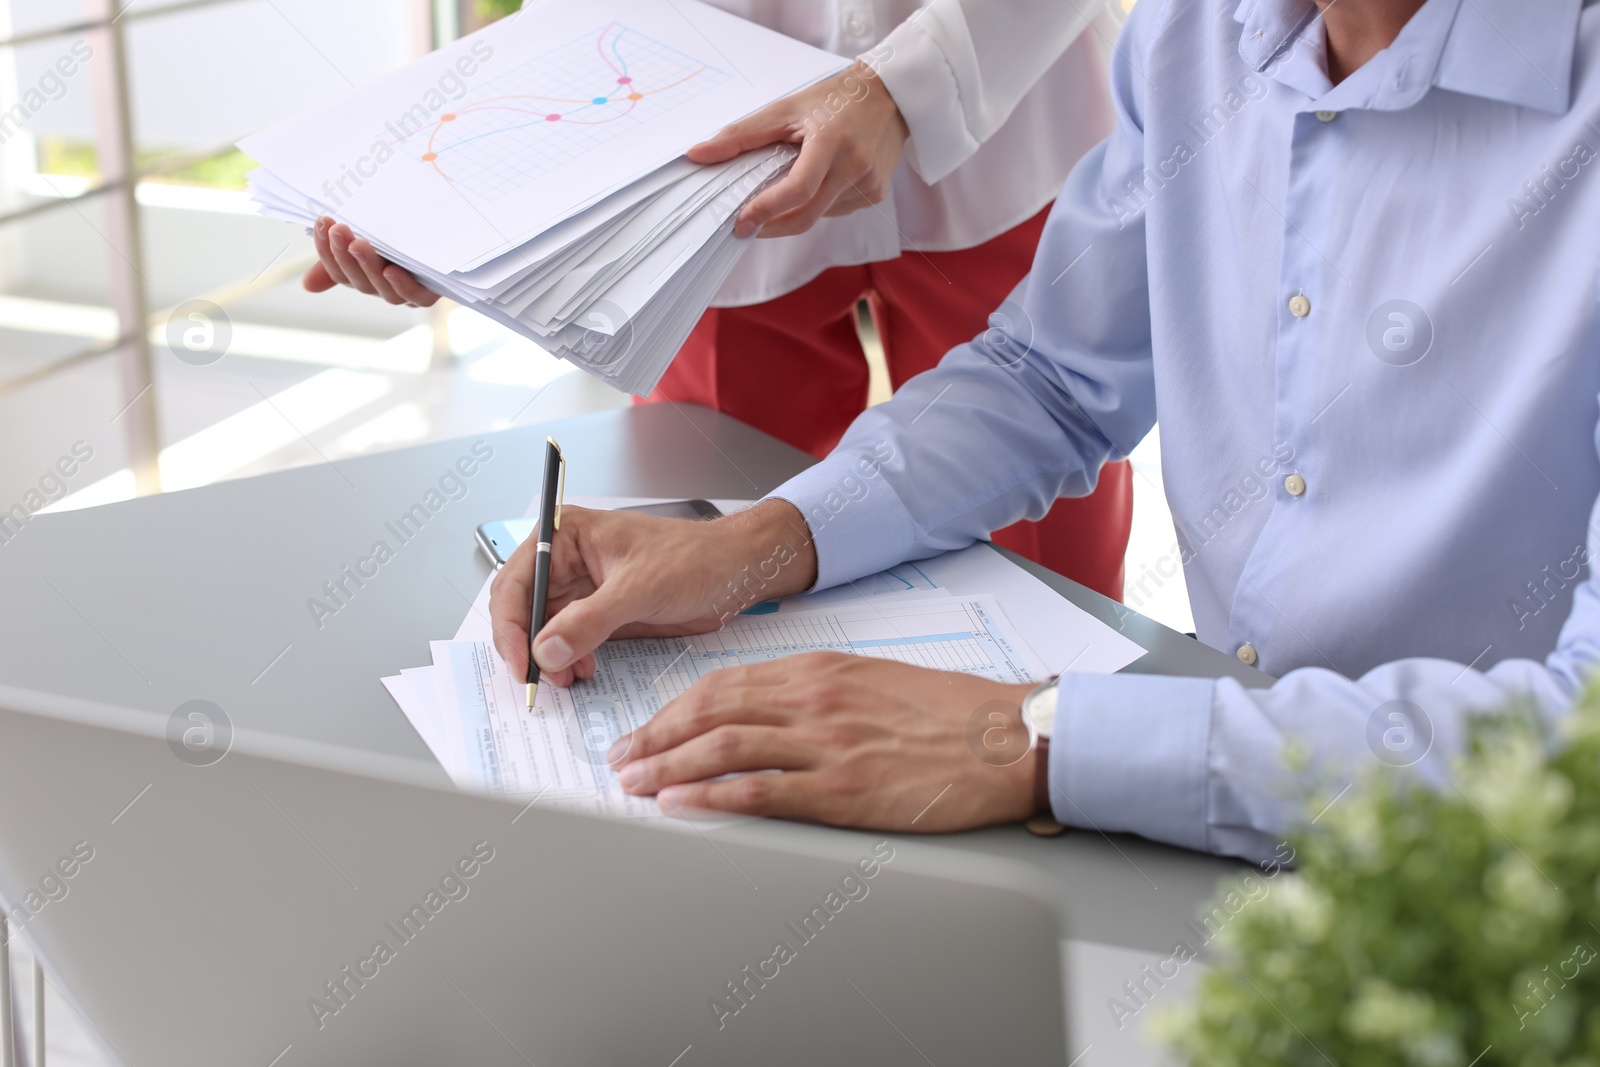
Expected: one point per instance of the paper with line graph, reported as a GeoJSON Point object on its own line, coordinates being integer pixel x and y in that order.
{"type": "Point", "coordinates": [486, 739]}
{"type": "Point", "coordinates": [560, 106]}
{"type": "Point", "coordinates": [534, 170]}
{"type": "Point", "coordinates": [567, 101]}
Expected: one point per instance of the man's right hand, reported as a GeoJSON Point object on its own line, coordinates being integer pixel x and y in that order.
{"type": "Point", "coordinates": [345, 259]}
{"type": "Point", "coordinates": [623, 574]}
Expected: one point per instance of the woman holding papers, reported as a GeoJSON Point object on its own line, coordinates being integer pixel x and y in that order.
{"type": "Point", "coordinates": [990, 103]}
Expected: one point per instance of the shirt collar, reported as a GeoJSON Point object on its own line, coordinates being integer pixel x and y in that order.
{"type": "Point", "coordinates": [1486, 48]}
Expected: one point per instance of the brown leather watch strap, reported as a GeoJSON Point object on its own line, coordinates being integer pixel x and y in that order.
{"type": "Point", "coordinates": [1043, 823]}
{"type": "Point", "coordinates": [1041, 777]}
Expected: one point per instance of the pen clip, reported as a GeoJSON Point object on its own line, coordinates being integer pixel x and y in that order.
{"type": "Point", "coordinates": [561, 492]}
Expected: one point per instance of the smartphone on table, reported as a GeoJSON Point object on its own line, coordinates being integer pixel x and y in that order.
{"type": "Point", "coordinates": [499, 539]}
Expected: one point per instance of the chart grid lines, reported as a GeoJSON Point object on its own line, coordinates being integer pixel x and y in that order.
{"type": "Point", "coordinates": [554, 109]}
{"type": "Point", "coordinates": [964, 649]}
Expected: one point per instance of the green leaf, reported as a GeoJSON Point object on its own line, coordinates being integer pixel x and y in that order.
{"type": "Point", "coordinates": [1425, 927]}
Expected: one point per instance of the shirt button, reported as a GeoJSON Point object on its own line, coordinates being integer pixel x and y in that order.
{"type": "Point", "coordinates": [1299, 306]}
{"type": "Point", "coordinates": [1327, 116]}
{"type": "Point", "coordinates": [856, 24]}
{"type": "Point", "coordinates": [1247, 655]}
{"type": "Point", "coordinates": [1295, 484]}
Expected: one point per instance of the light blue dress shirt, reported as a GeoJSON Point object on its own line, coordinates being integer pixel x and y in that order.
{"type": "Point", "coordinates": [1366, 316]}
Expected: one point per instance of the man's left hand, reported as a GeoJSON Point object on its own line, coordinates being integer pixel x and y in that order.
{"type": "Point", "coordinates": [860, 742]}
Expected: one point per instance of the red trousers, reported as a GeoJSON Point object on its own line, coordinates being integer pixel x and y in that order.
{"type": "Point", "coordinates": [793, 367]}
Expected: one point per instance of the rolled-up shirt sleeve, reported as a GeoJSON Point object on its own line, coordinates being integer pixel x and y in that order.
{"type": "Point", "coordinates": [958, 68]}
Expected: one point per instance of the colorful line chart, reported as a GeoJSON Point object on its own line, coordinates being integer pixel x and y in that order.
{"type": "Point", "coordinates": [557, 107]}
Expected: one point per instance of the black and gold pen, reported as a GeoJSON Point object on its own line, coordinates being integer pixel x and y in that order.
{"type": "Point", "coordinates": [555, 487]}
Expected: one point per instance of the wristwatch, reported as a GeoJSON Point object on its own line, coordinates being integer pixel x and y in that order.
{"type": "Point", "coordinates": [1039, 714]}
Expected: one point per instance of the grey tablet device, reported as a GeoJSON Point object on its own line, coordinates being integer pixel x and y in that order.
{"type": "Point", "coordinates": [205, 898]}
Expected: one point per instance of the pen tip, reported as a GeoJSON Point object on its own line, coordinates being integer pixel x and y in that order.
{"type": "Point", "coordinates": [532, 690]}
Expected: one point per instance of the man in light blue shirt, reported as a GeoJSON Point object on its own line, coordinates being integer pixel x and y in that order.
{"type": "Point", "coordinates": [1347, 253]}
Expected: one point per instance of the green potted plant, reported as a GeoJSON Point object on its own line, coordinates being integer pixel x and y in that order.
{"type": "Point", "coordinates": [1447, 925]}
{"type": "Point", "coordinates": [489, 10]}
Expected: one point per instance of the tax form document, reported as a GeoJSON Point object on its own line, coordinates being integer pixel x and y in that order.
{"type": "Point", "coordinates": [556, 752]}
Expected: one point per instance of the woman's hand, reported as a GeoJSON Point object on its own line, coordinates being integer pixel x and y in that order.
{"type": "Point", "coordinates": [345, 259]}
{"type": "Point", "coordinates": [851, 135]}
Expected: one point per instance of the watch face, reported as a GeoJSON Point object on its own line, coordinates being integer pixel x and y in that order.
{"type": "Point", "coordinates": [1041, 710]}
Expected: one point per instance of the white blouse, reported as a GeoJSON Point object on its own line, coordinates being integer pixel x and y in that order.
{"type": "Point", "coordinates": [1001, 97]}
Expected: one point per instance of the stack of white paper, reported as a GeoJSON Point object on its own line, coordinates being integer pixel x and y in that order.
{"type": "Point", "coordinates": [949, 613]}
{"type": "Point", "coordinates": [533, 171]}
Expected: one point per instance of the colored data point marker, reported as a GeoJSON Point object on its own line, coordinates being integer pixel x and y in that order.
{"type": "Point", "coordinates": [635, 96]}
{"type": "Point", "coordinates": [600, 100]}
{"type": "Point", "coordinates": [447, 118]}
{"type": "Point", "coordinates": [430, 157]}
{"type": "Point", "coordinates": [624, 80]}
{"type": "Point", "coordinates": [552, 118]}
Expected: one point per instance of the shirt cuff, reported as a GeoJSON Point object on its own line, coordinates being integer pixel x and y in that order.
{"type": "Point", "coordinates": [858, 524]}
{"type": "Point", "coordinates": [920, 78]}
{"type": "Point", "coordinates": [1128, 754]}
